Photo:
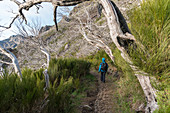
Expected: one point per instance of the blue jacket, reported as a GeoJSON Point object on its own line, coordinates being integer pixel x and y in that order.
{"type": "Point", "coordinates": [103, 61]}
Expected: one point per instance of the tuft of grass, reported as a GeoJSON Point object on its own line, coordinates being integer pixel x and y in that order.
{"type": "Point", "coordinates": [150, 24]}
{"type": "Point", "coordinates": [21, 96]}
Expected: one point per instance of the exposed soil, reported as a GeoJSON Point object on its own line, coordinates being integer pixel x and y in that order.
{"type": "Point", "coordinates": [101, 99]}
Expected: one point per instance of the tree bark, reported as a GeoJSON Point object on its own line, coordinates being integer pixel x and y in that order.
{"type": "Point", "coordinates": [46, 79]}
{"type": "Point", "coordinates": [43, 50]}
{"type": "Point", "coordinates": [47, 65]}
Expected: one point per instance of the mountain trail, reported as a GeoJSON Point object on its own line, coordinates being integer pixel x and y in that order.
{"type": "Point", "coordinates": [103, 102]}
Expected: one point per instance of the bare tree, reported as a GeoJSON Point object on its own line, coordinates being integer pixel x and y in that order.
{"type": "Point", "coordinates": [30, 29]}
{"type": "Point", "coordinates": [13, 58]}
{"type": "Point", "coordinates": [32, 37]}
{"type": "Point", "coordinates": [26, 5]}
{"type": "Point", "coordinates": [112, 16]}
{"type": "Point", "coordinates": [95, 39]}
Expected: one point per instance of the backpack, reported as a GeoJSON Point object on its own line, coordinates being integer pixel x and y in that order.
{"type": "Point", "coordinates": [104, 66]}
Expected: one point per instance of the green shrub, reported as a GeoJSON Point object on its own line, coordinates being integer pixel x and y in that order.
{"type": "Point", "coordinates": [64, 68]}
{"type": "Point", "coordinates": [28, 95]}
{"type": "Point", "coordinates": [21, 96]}
{"type": "Point", "coordinates": [60, 97]}
{"type": "Point", "coordinates": [64, 76]}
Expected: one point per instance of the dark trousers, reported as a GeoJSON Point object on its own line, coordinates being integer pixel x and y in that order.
{"type": "Point", "coordinates": [103, 76]}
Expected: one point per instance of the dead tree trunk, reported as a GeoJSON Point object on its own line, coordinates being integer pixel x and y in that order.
{"type": "Point", "coordinates": [115, 32]}
{"type": "Point", "coordinates": [14, 60]}
{"type": "Point", "coordinates": [1, 71]}
{"type": "Point", "coordinates": [47, 81]}
{"type": "Point", "coordinates": [43, 50]}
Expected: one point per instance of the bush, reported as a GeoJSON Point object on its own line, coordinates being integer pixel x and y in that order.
{"type": "Point", "coordinates": [28, 95]}
{"type": "Point", "coordinates": [64, 77]}
{"type": "Point", "coordinates": [64, 68]}
{"type": "Point", "coordinates": [21, 96]}
{"type": "Point", "coordinates": [60, 97]}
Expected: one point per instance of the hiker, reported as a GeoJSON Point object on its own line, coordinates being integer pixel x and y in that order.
{"type": "Point", "coordinates": [103, 69]}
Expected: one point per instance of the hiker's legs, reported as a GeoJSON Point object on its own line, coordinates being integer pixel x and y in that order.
{"type": "Point", "coordinates": [101, 76]}
{"type": "Point", "coordinates": [104, 73]}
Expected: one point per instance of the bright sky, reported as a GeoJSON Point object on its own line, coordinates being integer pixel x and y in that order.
{"type": "Point", "coordinates": [6, 6]}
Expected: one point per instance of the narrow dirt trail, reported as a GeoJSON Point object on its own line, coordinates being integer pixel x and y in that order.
{"type": "Point", "coordinates": [104, 102]}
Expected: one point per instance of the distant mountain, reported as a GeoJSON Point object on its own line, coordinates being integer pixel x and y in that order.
{"type": "Point", "coordinates": [11, 42]}
{"type": "Point", "coordinates": [4, 41]}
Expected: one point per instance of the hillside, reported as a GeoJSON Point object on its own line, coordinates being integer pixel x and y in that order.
{"type": "Point", "coordinates": [68, 42]}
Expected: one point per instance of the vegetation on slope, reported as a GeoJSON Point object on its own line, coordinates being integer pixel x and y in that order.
{"type": "Point", "coordinates": [28, 95]}
{"type": "Point", "coordinates": [21, 96]}
{"type": "Point", "coordinates": [150, 23]}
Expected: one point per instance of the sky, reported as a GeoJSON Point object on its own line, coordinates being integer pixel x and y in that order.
{"type": "Point", "coordinates": [45, 15]}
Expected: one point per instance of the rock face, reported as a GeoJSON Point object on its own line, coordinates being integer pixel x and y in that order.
{"type": "Point", "coordinates": [68, 42]}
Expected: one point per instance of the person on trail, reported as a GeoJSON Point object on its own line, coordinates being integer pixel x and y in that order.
{"type": "Point", "coordinates": [103, 69]}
